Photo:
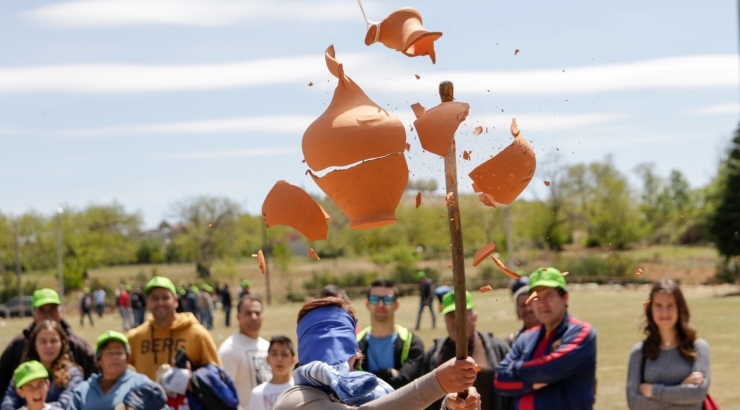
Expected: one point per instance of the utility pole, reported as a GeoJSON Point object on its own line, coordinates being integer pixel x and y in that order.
{"type": "Point", "coordinates": [60, 265]}
{"type": "Point", "coordinates": [510, 240]}
{"type": "Point", "coordinates": [266, 247]}
{"type": "Point", "coordinates": [18, 268]}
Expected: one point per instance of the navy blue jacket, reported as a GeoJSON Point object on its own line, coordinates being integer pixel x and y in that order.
{"type": "Point", "coordinates": [568, 368]}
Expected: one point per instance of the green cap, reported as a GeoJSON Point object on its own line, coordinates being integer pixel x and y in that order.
{"type": "Point", "coordinates": [29, 371]}
{"type": "Point", "coordinates": [86, 290]}
{"type": "Point", "coordinates": [128, 288]}
{"type": "Point", "coordinates": [245, 284]}
{"type": "Point", "coordinates": [181, 291]}
{"type": "Point", "coordinates": [207, 287]}
{"type": "Point", "coordinates": [160, 282]}
{"type": "Point", "coordinates": [547, 277]}
{"type": "Point", "coordinates": [420, 274]}
{"type": "Point", "coordinates": [448, 302]}
{"type": "Point", "coordinates": [45, 296]}
{"type": "Point", "coordinates": [108, 336]}
{"type": "Point", "coordinates": [194, 289]}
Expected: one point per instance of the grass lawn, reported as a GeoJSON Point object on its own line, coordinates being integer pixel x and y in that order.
{"type": "Point", "coordinates": [614, 312]}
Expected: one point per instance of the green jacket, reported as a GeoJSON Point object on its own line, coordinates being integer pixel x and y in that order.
{"type": "Point", "coordinates": [408, 356]}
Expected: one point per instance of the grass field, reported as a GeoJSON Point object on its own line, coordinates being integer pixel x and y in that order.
{"type": "Point", "coordinates": [615, 313]}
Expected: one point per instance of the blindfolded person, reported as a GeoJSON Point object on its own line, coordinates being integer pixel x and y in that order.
{"type": "Point", "coordinates": [328, 355]}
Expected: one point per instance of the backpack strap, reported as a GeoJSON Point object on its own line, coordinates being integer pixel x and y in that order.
{"type": "Point", "coordinates": [642, 366]}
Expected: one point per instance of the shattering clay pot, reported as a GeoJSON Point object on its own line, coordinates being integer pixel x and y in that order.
{"type": "Point", "coordinates": [368, 193]}
{"type": "Point", "coordinates": [436, 127]}
{"type": "Point", "coordinates": [507, 174]}
{"type": "Point", "coordinates": [402, 31]}
{"type": "Point", "coordinates": [352, 129]}
{"type": "Point", "coordinates": [288, 204]}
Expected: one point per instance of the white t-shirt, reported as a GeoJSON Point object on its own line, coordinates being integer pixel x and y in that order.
{"type": "Point", "coordinates": [265, 395]}
{"type": "Point", "coordinates": [244, 360]}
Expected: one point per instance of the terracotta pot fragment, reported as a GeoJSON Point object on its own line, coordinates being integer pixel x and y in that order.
{"type": "Point", "coordinates": [352, 129]}
{"type": "Point", "coordinates": [289, 205]}
{"type": "Point", "coordinates": [483, 253]}
{"type": "Point", "coordinates": [507, 174]}
{"type": "Point", "coordinates": [418, 200]}
{"type": "Point", "coordinates": [487, 200]}
{"type": "Point", "coordinates": [475, 188]}
{"type": "Point", "coordinates": [486, 288]}
{"type": "Point", "coordinates": [547, 183]}
{"type": "Point", "coordinates": [312, 254]}
{"type": "Point", "coordinates": [510, 273]}
{"type": "Point", "coordinates": [260, 261]}
{"type": "Point", "coordinates": [436, 127]}
{"type": "Point", "coordinates": [368, 193]}
{"type": "Point", "coordinates": [402, 31]}
{"type": "Point", "coordinates": [532, 297]}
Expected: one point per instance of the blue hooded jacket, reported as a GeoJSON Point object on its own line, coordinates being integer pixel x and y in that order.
{"type": "Point", "coordinates": [568, 368]}
{"type": "Point", "coordinates": [133, 389]}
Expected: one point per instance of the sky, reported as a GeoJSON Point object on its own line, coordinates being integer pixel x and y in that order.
{"type": "Point", "coordinates": [147, 102]}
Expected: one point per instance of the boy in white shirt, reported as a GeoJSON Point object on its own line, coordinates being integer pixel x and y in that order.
{"type": "Point", "coordinates": [281, 358]}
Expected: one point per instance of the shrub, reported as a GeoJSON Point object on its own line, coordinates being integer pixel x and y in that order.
{"type": "Point", "coordinates": [728, 271]}
{"type": "Point", "coordinates": [591, 265]}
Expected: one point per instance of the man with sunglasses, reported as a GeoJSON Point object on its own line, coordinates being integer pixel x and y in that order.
{"type": "Point", "coordinates": [391, 351]}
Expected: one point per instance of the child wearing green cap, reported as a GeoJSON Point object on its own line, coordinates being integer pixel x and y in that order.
{"type": "Point", "coordinates": [32, 383]}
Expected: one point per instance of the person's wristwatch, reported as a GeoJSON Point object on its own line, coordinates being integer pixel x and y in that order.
{"type": "Point", "coordinates": [444, 404]}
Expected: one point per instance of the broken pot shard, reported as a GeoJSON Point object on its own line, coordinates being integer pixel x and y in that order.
{"type": "Point", "coordinates": [402, 31]}
{"type": "Point", "coordinates": [475, 188]}
{"type": "Point", "coordinates": [418, 199]}
{"type": "Point", "coordinates": [352, 129]}
{"type": "Point", "coordinates": [532, 297]}
{"type": "Point", "coordinates": [504, 269]}
{"type": "Point", "coordinates": [486, 288]}
{"type": "Point", "coordinates": [436, 127]}
{"type": "Point", "coordinates": [487, 200]}
{"type": "Point", "coordinates": [478, 130]}
{"type": "Point", "coordinates": [261, 261]}
{"type": "Point", "coordinates": [289, 205]}
{"type": "Point", "coordinates": [483, 253]}
{"type": "Point", "coordinates": [507, 174]}
{"type": "Point", "coordinates": [547, 183]}
{"type": "Point", "coordinates": [367, 193]}
{"type": "Point", "coordinates": [466, 155]}
{"type": "Point", "coordinates": [312, 254]}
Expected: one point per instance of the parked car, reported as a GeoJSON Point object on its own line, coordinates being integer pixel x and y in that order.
{"type": "Point", "coordinates": [12, 308]}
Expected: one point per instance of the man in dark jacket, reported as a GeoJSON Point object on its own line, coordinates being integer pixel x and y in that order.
{"type": "Point", "coordinates": [391, 351]}
{"type": "Point", "coordinates": [551, 366]}
{"type": "Point", "coordinates": [486, 349]}
{"type": "Point", "coordinates": [426, 293]}
{"type": "Point", "coordinates": [46, 306]}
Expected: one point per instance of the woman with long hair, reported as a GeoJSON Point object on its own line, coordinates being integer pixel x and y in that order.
{"type": "Point", "coordinates": [48, 344]}
{"type": "Point", "coordinates": [670, 368]}
{"type": "Point", "coordinates": [327, 378]}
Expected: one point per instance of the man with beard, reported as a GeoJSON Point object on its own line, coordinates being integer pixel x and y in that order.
{"type": "Point", "coordinates": [391, 351]}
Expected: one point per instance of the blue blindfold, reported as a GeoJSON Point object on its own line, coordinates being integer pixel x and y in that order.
{"type": "Point", "coordinates": [326, 335]}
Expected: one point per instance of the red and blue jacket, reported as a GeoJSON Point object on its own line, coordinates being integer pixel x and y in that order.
{"type": "Point", "coordinates": [565, 361]}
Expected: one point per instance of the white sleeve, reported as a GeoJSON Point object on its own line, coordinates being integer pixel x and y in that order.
{"type": "Point", "coordinates": [229, 360]}
{"type": "Point", "coordinates": [256, 402]}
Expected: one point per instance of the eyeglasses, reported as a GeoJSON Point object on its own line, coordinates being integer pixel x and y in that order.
{"type": "Point", "coordinates": [387, 300]}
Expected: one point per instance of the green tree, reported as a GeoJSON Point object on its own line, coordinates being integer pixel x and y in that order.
{"type": "Point", "coordinates": [150, 251]}
{"type": "Point", "coordinates": [208, 229]}
{"type": "Point", "coordinates": [725, 223]}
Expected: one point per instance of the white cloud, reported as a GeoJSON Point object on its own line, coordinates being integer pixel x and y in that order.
{"type": "Point", "coordinates": [245, 153]}
{"type": "Point", "coordinates": [140, 78]}
{"type": "Point", "coordinates": [205, 13]}
{"type": "Point", "coordinates": [541, 122]}
{"type": "Point", "coordinates": [700, 71]}
{"type": "Point", "coordinates": [268, 124]}
{"type": "Point", "coordinates": [728, 108]}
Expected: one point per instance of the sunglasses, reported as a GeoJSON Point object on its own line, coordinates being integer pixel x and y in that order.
{"type": "Point", "coordinates": [387, 300]}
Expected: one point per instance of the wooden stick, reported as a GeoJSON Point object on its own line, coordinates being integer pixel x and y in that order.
{"type": "Point", "coordinates": [446, 94]}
